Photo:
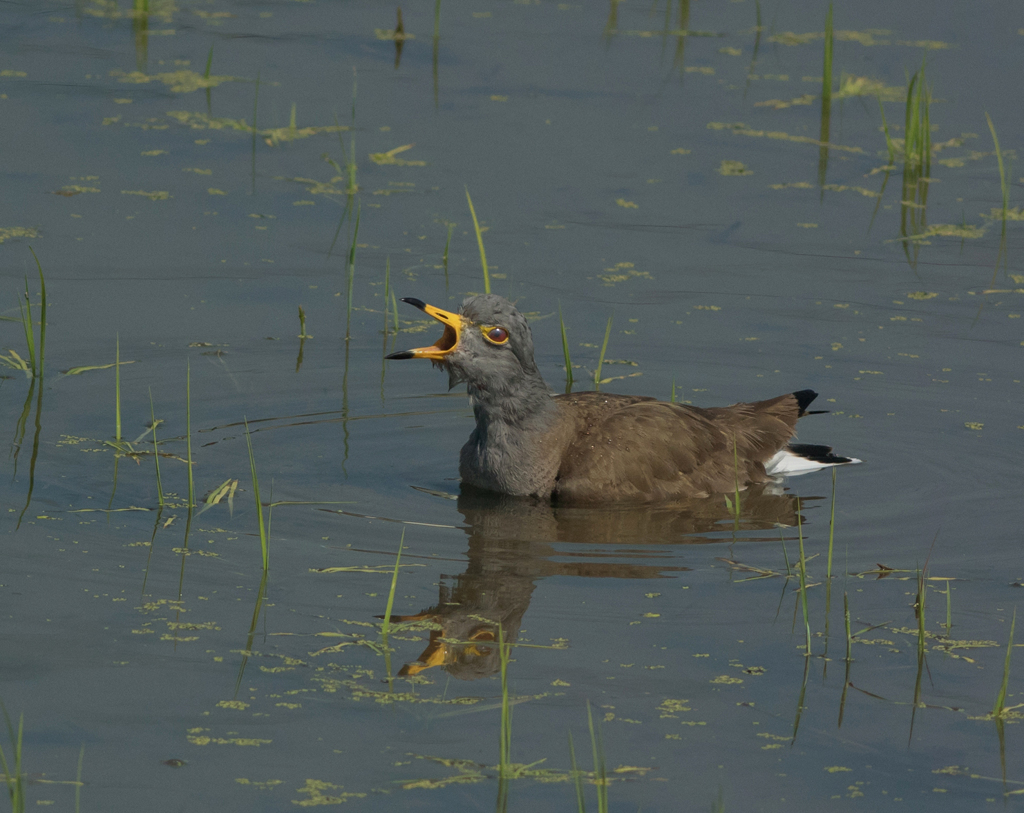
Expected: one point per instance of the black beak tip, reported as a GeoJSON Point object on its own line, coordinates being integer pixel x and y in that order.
{"type": "Point", "coordinates": [416, 303]}
{"type": "Point", "coordinates": [401, 354]}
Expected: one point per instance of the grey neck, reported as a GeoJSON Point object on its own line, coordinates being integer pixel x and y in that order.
{"type": "Point", "coordinates": [524, 405]}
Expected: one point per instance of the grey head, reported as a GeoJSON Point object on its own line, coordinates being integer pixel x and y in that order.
{"type": "Point", "coordinates": [487, 345]}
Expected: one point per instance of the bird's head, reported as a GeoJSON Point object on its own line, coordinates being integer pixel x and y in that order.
{"type": "Point", "coordinates": [486, 344]}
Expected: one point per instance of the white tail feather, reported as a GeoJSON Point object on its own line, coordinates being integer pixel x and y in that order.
{"type": "Point", "coordinates": [788, 463]}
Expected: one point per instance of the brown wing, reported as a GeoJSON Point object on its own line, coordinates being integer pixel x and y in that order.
{"type": "Point", "coordinates": [652, 450]}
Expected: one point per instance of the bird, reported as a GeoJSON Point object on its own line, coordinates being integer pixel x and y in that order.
{"type": "Point", "coordinates": [596, 447]}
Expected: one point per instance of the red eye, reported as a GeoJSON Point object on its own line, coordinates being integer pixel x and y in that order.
{"type": "Point", "coordinates": [498, 335]}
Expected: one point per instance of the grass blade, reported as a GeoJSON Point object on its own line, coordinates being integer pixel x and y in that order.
{"type": "Point", "coordinates": [480, 243]}
{"type": "Point", "coordinates": [826, 81]}
{"type": "Point", "coordinates": [803, 576]}
{"type": "Point", "coordinates": [117, 389]}
{"type": "Point", "coordinates": [577, 778]}
{"type": "Point", "coordinates": [156, 452]}
{"type": "Point", "coordinates": [600, 360]}
{"type": "Point", "coordinates": [394, 584]}
{"type": "Point", "coordinates": [352, 269]}
{"type": "Point", "coordinates": [42, 310]}
{"type": "Point", "coordinates": [1004, 185]}
{"type": "Point", "coordinates": [997, 709]}
{"type": "Point", "coordinates": [188, 435]}
{"type": "Point", "coordinates": [565, 350]}
{"type": "Point", "coordinates": [30, 339]}
{"type": "Point", "coordinates": [505, 741]}
{"type": "Point", "coordinates": [600, 770]}
{"type": "Point", "coordinates": [264, 536]}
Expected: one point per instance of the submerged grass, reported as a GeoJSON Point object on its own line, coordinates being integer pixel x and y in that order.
{"type": "Point", "coordinates": [13, 774]}
{"type": "Point", "coordinates": [890, 147]}
{"type": "Point", "coordinates": [803, 577]}
{"type": "Point", "coordinates": [480, 243]}
{"type": "Point", "coordinates": [386, 626]}
{"type": "Point", "coordinates": [826, 79]}
{"type": "Point", "coordinates": [1000, 705]}
{"type": "Point", "coordinates": [264, 533]}
{"type": "Point", "coordinates": [188, 436]}
{"type": "Point", "coordinates": [117, 389]}
{"type": "Point", "coordinates": [156, 452]}
{"type": "Point", "coordinates": [351, 273]}
{"type": "Point", "coordinates": [917, 146]}
{"type": "Point", "coordinates": [506, 770]}
{"type": "Point", "coordinates": [33, 366]}
{"type": "Point", "coordinates": [565, 350]}
{"type": "Point", "coordinates": [577, 777]}
{"type": "Point", "coordinates": [600, 769]}
{"type": "Point", "coordinates": [826, 103]}
{"type": "Point", "coordinates": [921, 590]}
{"type": "Point", "coordinates": [1003, 182]}
{"type": "Point", "coordinates": [444, 257]}
{"type": "Point", "coordinates": [917, 157]}
{"type": "Point", "coordinates": [255, 110]}
{"type": "Point", "coordinates": [604, 348]}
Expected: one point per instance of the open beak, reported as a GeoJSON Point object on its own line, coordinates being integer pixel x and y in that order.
{"type": "Point", "coordinates": [442, 347]}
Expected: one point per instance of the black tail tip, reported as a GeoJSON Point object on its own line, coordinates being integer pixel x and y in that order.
{"type": "Point", "coordinates": [804, 399]}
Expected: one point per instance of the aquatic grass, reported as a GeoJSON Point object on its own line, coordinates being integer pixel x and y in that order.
{"type": "Point", "coordinates": [386, 626]}
{"type": "Point", "coordinates": [736, 479]}
{"type": "Point", "coordinates": [506, 770]}
{"type": "Point", "coordinates": [917, 146]}
{"type": "Point", "coordinates": [505, 734]}
{"type": "Point", "coordinates": [600, 769]}
{"type": "Point", "coordinates": [117, 388]}
{"type": "Point", "coordinates": [889, 145]}
{"type": "Point", "coordinates": [387, 291]}
{"type": "Point", "coordinates": [917, 151]}
{"type": "Point", "coordinates": [577, 777]}
{"type": "Point", "coordinates": [15, 779]}
{"type": "Point", "coordinates": [826, 78]}
{"type": "Point", "coordinates": [803, 577]}
{"type": "Point", "coordinates": [33, 366]}
{"type": "Point", "coordinates": [188, 435]}
{"type": "Point", "coordinates": [156, 452]}
{"type": "Point", "coordinates": [846, 621]}
{"type": "Point", "coordinates": [826, 103]}
{"type": "Point", "coordinates": [1005, 187]}
{"type": "Point", "coordinates": [785, 553]}
{"type": "Point", "coordinates": [604, 348]}
{"type": "Point", "coordinates": [444, 257]}
{"type": "Point", "coordinates": [1000, 705]}
{"type": "Point", "coordinates": [921, 634]}
{"type": "Point", "coordinates": [255, 110]}
{"type": "Point", "coordinates": [565, 351]}
{"type": "Point", "coordinates": [264, 533]}
{"type": "Point", "coordinates": [78, 779]}
{"type": "Point", "coordinates": [949, 608]}
{"type": "Point", "coordinates": [351, 266]}
{"type": "Point", "coordinates": [480, 243]}
{"type": "Point", "coordinates": [42, 314]}
{"type": "Point", "coordinates": [302, 324]}
{"type": "Point", "coordinates": [831, 527]}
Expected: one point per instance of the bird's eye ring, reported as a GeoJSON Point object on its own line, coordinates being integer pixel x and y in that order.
{"type": "Point", "coordinates": [495, 335]}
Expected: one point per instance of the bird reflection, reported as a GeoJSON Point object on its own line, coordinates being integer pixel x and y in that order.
{"type": "Point", "coordinates": [515, 542]}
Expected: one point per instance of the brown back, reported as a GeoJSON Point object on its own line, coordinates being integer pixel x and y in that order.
{"type": "Point", "coordinates": [628, 448]}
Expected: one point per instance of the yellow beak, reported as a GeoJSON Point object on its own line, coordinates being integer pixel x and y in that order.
{"type": "Point", "coordinates": [442, 347]}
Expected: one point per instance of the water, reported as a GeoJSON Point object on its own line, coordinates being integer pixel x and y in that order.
{"type": "Point", "coordinates": [592, 143]}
